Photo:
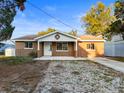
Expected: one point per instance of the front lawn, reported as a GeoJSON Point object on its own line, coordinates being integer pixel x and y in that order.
{"type": "Point", "coordinates": [15, 60]}
{"type": "Point", "coordinates": [117, 58]}
{"type": "Point", "coordinates": [20, 74]}
{"type": "Point", "coordinates": [81, 77]}
{"type": "Point", "coordinates": [58, 77]}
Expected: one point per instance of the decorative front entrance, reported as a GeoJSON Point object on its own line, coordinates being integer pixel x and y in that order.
{"type": "Point", "coordinates": [47, 49]}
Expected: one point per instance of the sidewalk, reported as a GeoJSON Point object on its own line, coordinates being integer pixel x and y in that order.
{"type": "Point", "coordinates": [63, 58]}
{"type": "Point", "coordinates": [117, 65]}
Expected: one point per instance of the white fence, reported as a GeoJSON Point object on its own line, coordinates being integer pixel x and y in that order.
{"type": "Point", "coordinates": [114, 48]}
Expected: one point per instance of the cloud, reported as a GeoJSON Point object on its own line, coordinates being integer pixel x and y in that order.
{"type": "Point", "coordinates": [21, 14]}
{"type": "Point", "coordinates": [78, 19]}
{"type": "Point", "coordinates": [25, 26]}
{"type": "Point", "coordinates": [79, 16]}
{"type": "Point", "coordinates": [59, 26]}
{"type": "Point", "coordinates": [50, 8]}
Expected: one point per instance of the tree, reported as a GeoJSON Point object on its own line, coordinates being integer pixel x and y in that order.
{"type": "Point", "coordinates": [49, 30]}
{"type": "Point", "coordinates": [73, 32]}
{"type": "Point", "coordinates": [119, 9]}
{"type": "Point", "coordinates": [7, 14]}
{"type": "Point", "coordinates": [117, 27]}
{"type": "Point", "coordinates": [20, 4]}
{"type": "Point", "coordinates": [98, 19]}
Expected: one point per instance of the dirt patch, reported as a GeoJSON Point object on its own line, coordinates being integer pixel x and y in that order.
{"type": "Point", "coordinates": [22, 78]}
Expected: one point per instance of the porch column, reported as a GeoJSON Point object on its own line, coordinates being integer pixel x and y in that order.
{"type": "Point", "coordinates": [38, 49]}
{"type": "Point", "coordinates": [38, 46]}
{"type": "Point", "coordinates": [76, 48]}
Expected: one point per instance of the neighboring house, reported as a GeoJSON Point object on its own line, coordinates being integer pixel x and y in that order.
{"type": "Point", "coordinates": [60, 44]}
{"type": "Point", "coordinates": [115, 47]}
{"type": "Point", "coordinates": [4, 46]}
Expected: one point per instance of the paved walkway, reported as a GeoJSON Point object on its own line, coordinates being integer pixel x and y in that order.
{"type": "Point", "coordinates": [60, 58]}
{"type": "Point", "coordinates": [117, 65]}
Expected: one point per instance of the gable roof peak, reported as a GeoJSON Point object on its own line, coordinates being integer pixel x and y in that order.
{"type": "Point", "coordinates": [55, 33]}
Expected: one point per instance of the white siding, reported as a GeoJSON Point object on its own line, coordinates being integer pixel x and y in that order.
{"type": "Point", "coordinates": [10, 52]}
{"type": "Point", "coordinates": [63, 38]}
{"type": "Point", "coordinates": [108, 49]}
{"type": "Point", "coordinates": [114, 48]}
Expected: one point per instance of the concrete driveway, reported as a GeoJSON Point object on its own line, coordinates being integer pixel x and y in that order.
{"type": "Point", "coordinates": [117, 65]}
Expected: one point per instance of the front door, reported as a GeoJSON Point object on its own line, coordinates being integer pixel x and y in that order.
{"type": "Point", "coordinates": [47, 49]}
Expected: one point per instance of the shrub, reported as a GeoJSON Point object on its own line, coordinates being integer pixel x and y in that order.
{"type": "Point", "coordinates": [33, 54]}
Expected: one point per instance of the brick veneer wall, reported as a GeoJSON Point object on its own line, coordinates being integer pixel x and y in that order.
{"type": "Point", "coordinates": [70, 51]}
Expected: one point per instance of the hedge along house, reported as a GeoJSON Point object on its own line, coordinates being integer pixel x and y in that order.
{"type": "Point", "coordinates": [60, 44]}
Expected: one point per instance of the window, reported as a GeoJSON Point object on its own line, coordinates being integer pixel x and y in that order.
{"type": "Point", "coordinates": [62, 46]}
{"type": "Point", "coordinates": [28, 45]}
{"type": "Point", "coordinates": [91, 46]}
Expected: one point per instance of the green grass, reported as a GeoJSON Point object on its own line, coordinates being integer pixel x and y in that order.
{"type": "Point", "coordinates": [14, 60]}
{"type": "Point", "coordinates": [2, 53]}
{"type": "Point", "coordinates": [117, 58]}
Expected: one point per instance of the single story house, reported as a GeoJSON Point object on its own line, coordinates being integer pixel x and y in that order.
{"type": "Point", "coordinates": [60, 44]}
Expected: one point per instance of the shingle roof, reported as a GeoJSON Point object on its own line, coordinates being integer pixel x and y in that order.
{"type": "Point", "coordinates": [91, 37]}
{"type": "Point", "coordinates": [83, 37]}
{"type": "Point", "coordinates": [27, 37]}
{"type": "Point", "coordinates": [32, 37]}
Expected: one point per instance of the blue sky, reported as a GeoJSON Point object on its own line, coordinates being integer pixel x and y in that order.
{"type": "Point", "coordinates": [31, 20]}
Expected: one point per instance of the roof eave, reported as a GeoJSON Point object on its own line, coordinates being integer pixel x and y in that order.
{"type": "Point", "coordinates": [92, 40]}
{"type": "Point", "coordinates": [23, 40]}
{"type": "Point", "coordinates": [53, 33]}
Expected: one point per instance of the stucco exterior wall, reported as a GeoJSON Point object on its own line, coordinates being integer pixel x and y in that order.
{"type": "Point", "coordinates": [84, 52]}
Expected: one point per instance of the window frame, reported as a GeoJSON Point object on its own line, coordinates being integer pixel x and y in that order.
{"type": "Point", "coordinates": [61, 50]}
{"type": "Point", "coordinates": [28, 45]}
{"type": "Point", "coordinates": [91, 46]}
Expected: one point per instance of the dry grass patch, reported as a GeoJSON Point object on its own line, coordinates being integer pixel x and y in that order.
{"type": "Point", "coordinates": [117, 58]}
{"type": "Point", "coordinates": [20, 77]}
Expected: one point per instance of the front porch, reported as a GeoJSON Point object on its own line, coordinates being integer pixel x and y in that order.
{"type": "Point", "coordinates": [61, 58]}
{"type": "Point", "coordinates": [57, 49]}
{"type": "Point", "coordinates": [57, 44]}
